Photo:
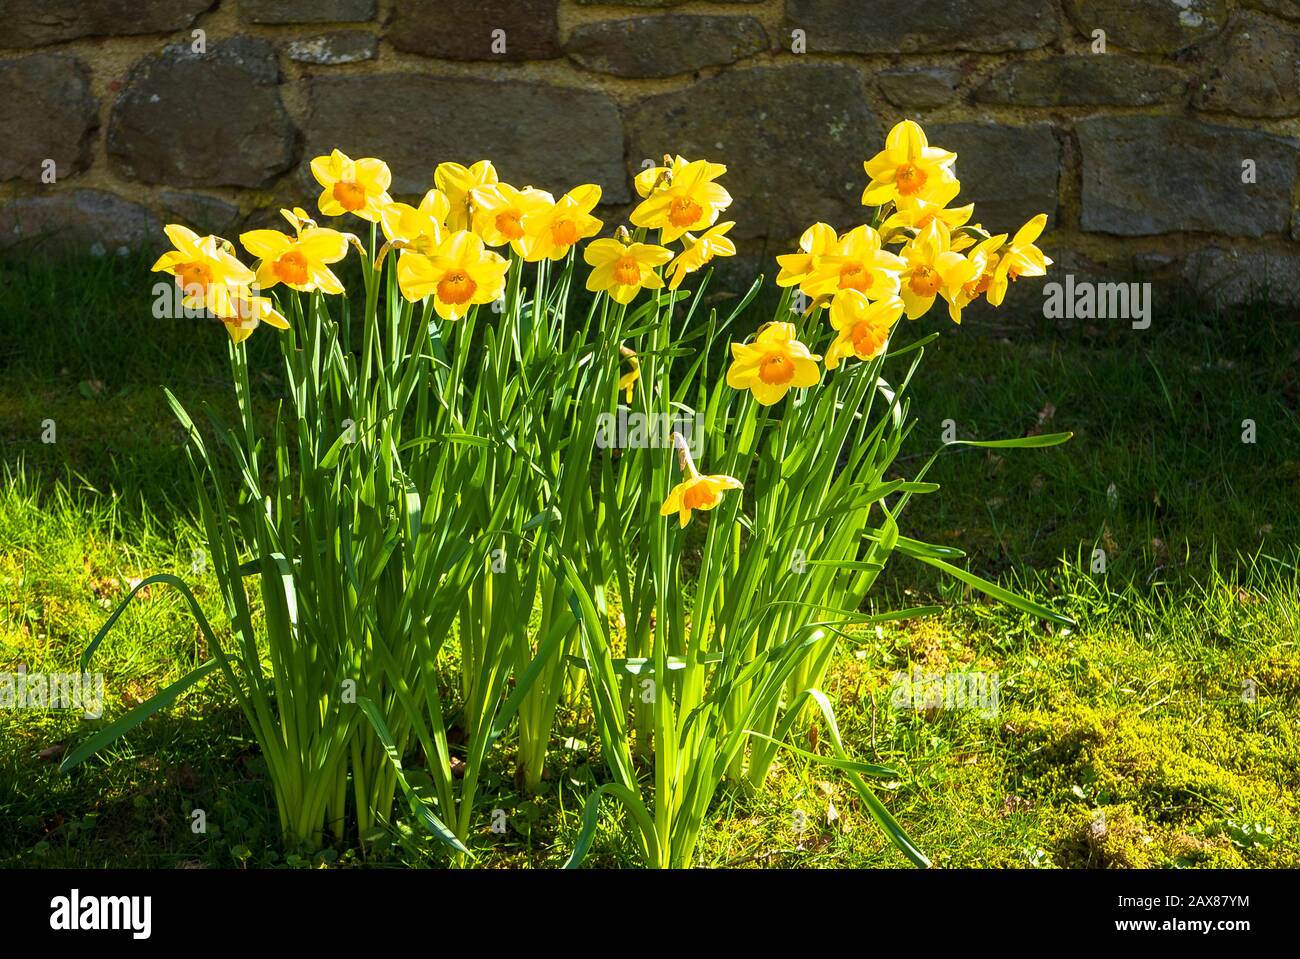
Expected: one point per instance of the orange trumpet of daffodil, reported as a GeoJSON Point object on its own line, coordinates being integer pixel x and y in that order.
{"type": "Point", "coordinates": [301, 262]}
{"type": "Point", "coordinates": [461, 273]}
{"type": "Point", "coordinates": [773, 364]}
{"type": "Point", "coordinates": [624, 269]}
{"type": "Point", "coordinates": [861, 327]}
{"type": "Point", "coordinates": [352, 186]}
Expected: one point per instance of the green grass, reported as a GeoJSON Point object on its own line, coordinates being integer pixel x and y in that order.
{"type": "Point", "coordinates": [1125, 742]}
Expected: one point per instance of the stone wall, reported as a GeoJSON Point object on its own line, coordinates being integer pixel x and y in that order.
{"type": "Point", "coordinates": [1174, 151]}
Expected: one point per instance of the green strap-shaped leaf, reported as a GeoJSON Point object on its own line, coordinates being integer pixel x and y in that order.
{"type": "Point", "coordinates": [591, 818]}
{"type": "Point", "coordinates": [135, 717]}
{"type": "Point", "coordinates": [414, 509]}
{"type": "Point", "coordinates": [331, 457]}
{"type": "Point", "coordinates": [418, 806]}
{"type": "Point", "coordinates": [169, 580]}
{"type": "Point", "coordinates": [559, 632]}
{"type": "Point", "coordinates": [997, 592]}
{"type": "Point", "coordinates": [877, 809]}
{"type": "Point", "coordinates": [1021, 443]}
{"type": "Point", "coordinates": [848, 765]}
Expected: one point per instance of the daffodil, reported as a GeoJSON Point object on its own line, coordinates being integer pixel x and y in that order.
{"type": "Point", "coordinates": [773, 364]}
{"type": "Point", "coordinates": [861, 327]}
{"type": "Point", "coordinates": [553, 229]}
{"type": "Point", "coordinates": [624, 269]}
{"type": "Point", "coordinates": [419, 229]}
{"type": "Point", "coordinates": [695, 491]}
{"type": "Point", "coordinates": [460, 273]}
{"type": "Point", "coordinates": [985, 257]}
{"type": "Point", "coordinates": [907, 167]}
{"type": "Point", "coordinates": [856, 262]}
{"type": "Point", "coordinates": [633, 371]}
{"type": "Point", "coordinates": [298, 218]}
{"type": "Point", "coordinates": [250, 312]}
{"type": "Point", "coordinates": [499, 211]}
{"type": "Point", "coordinates": [933, 269]}
{"type": "Point", "coordinates": [300, 262]}
{"type": "Point", "coordinates": [457, 182]}
{"type": "Point", "coordinates": [691, 201]}
{"type": "Point", "coordinates": [699, 251]}
{"type": "Point", "coordinates": [916, 212]}
{"type": "Point", "coordinates": [963, 240]}
{"type": "Point", "coordinates": [209, 275]}
{"type": "Point", "coordinates": [655, 178]}
{"type": "Point", "coordinates": [1021, 258]}
{"type": "Point", "coordinates": [818, 240]}
{"type": "Point", "coordinates": [352, 186]}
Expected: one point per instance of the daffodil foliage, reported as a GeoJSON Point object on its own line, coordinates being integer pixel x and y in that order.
{"type": "Point", "coordinates": [432, 541]}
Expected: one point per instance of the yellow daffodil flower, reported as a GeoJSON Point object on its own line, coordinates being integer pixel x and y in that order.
{"type": "Point", "coordinates": [250, 312]}
{"type": "Point", "coordinates": [962, 240]}
{"type": "Point", "coordinates": [499, 211]}
{"type": "Point", "coordinates": [652, 179]}
{"type": "Point", "coordinates": [916, 212]}
{"type": "Point", "coordinates": [1021, 258]}
{"type": "Point", "coordinates": [699, 251]}
{"type": "Point", "coordinates": [298, 218]}
{"type": "Point", "coordinates": [209, 275]}
{"type": "Point", "coordinates": [692, 201]}
{"type": "Point", "coordinates": [460, 274]}
{"type": "Point", "coordinates": [773, 364]}
{"type": "Point", "coordinates": [457, 182]}
{"type": "Point", "coordinates": [695, 491]}
{"type": "Point", "coordinates": [352, 186]}
{"type": "Point", "coordinates": [818, 240]}
{"type": "Point", "coordinates": [861, 327]}
{"type": "Point", "coordinates": [628, 380]}
{"type": "Point", "coordinates": [933, 269]}
{"type": "Point", "coordinates": [907, 167]}
{"type": "Point", "coordinates": [419, 228]}
{"type": "Point", "coordinates": [551, 230]}
{"type": "Point", "coordinates": [985, 257]}
{"type": "Point", "coordinates": [622, 270]}
{"type": "Point", "coordinates": [301, 262]}
{"type": "Point", "coordinates": [856, 262]}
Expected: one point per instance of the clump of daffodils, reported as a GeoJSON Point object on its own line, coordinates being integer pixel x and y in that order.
{"type": "Point", "coordinates": [938, 254]}
{"type": "Point", "coordinates": [464, 434]}
{"type": "Point", "coordinates": [455, 247]}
